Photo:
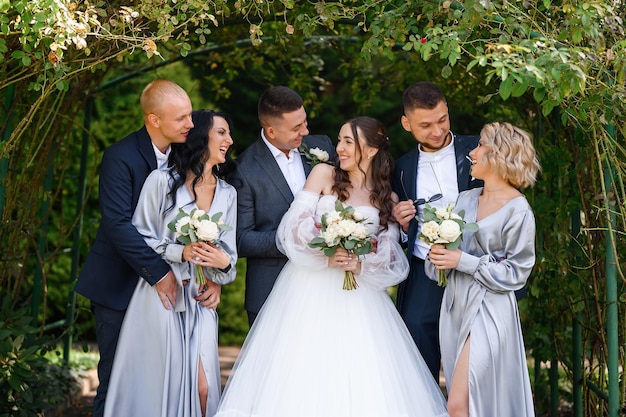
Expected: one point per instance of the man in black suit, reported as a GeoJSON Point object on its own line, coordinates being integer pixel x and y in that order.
{"type": "Point", "coordinates": [268, 175]}
{"type": "Point", "coordinates": [434, 173]}
{"type": "Point", "coordinates": [119, 255]}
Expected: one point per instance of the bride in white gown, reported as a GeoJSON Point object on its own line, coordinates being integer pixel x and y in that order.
{"type": "Point", "coordinates": [316, 349]}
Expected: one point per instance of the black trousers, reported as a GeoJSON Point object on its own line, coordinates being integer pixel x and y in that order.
{"type": "Point", "coordinates": [108, 325]}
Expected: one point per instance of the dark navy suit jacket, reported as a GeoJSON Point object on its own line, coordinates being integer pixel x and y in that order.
{"type": "Point", "coordinates": [119, 255]}
{"type": "Point", "coordinates": [263, 197]}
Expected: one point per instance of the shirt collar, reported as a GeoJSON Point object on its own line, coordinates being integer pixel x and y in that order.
{"type": "Point", "coordinates": [441, 153]}
{"type": "Point", "coordinates": [275, 151]}
{"type": "Point", "coordinates": [161, 157]}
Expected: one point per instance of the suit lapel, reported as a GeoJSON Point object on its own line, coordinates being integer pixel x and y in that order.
{"type": "Point", "coordinates": [409, 177]}
{"type": "Point", "coordinates": [144, 143]}
{"type": "Point", "coordinates": [462, 165]}
{"type": "Point", "coordinates": [306, 164]}
{"type": "Point", "coordinates": [270, 167]}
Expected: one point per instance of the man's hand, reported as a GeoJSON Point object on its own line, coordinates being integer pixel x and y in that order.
{"type": "Point", "coordinates": [166, 288]}
{"type": "Point", "coordinates": [404, 212]}
{"type": "Point", "coordinates": [210, 296]}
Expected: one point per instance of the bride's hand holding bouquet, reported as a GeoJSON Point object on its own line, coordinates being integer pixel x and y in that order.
{"type": "Point", "coordinates": [344, 237]}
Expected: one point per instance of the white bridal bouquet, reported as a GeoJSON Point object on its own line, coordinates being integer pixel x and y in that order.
{"type": "Point", "coordinates": [443, 226]}
{"type": "Point", "coordinates": [345, 227]}
{"type": "Point", "coordinates": [198, 226]}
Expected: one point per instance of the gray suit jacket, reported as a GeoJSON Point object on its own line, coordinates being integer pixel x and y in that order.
{"type": "Point", "coordinates": [263, 197]}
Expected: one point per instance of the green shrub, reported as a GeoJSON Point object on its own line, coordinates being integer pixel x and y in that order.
{"type": "Point", "coordinates": [29, 383]}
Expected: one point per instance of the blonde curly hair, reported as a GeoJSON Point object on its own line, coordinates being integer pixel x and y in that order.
{"type": "Point", "coordinates": [510, 153]}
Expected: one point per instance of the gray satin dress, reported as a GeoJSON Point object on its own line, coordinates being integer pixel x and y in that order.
{"type": "Point", "coordinates": [479, 300]}
{"type": "Point", "coordinates": [155, 371]}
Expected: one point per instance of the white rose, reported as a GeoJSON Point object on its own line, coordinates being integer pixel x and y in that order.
{"type": "Point", "coordinates": [183, 221]}
{"type": "Point", "coordinates": [330, 235]}
{"type": "Point", "coordinates": [357, 215]}
{"type": "Point", "coordinates": [320, 154]}
{"type": "Point", "coordinates": [197, 214]}
{"type": "Point", "coordinates": [455, 216]}
{"type": "Point", "coordinates": [431, 230]}
{"type": "Point", "coordinates": [443, 213]}
{"type": "Point", "coordinates": [360, 231]}
{"type": "Point", "coordinates": [345, 228]}
{"type": "Point", "coordinates": [207, 231]}
{"type": "Point", "coordinates": [449, 230]}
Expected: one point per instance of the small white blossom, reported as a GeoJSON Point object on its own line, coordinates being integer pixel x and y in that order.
{"type": "Point", "coordinates": [431, 230]}
{"type": "Point", "coordinates": [183, 221]}
{"type": "Point", "coordinates": [320, 154]}
{"type": "Point", "coordinates": [443, 213]}
{"type": "Point", "coordinates": [357, 215]}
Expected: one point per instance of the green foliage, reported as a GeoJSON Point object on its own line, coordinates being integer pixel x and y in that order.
{"type": "Point", "coordinates": [233, 322]}
{"type": "Point", "coordinates": [29, 383]}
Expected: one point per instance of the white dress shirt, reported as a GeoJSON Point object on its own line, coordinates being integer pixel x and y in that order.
{"type": "Point", "coordinates": [161, 157]}
{"type": "Point", "coordinates": [291, 167]}
{"type": "Point", "coordinates": [436, 174]}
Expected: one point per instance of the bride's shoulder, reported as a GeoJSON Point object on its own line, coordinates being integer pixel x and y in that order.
{"type": "Point", "coordinates": [320, 179]}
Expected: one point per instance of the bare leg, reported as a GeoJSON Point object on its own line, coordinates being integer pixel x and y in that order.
{"type": "Point", "coordinates": [458, 398]}
{"type": "Point", "coordinates": [203, 387]}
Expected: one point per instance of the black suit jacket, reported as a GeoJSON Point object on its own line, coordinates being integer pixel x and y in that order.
{"type": "Point", "coordinates": [407, 165]}
{"type": "Point", "coordinates": [263, 197]}
{"type": "Point", "coordinates": [119, 255]}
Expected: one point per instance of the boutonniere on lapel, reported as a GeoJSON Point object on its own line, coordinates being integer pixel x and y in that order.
{"type": "Point", "coordinates": [314, 156]}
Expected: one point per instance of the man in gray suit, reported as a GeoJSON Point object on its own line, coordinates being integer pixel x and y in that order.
{"type": "Point", "coordinates": [268, 174]}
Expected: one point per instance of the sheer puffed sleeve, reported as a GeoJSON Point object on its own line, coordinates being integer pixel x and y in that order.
{"type": "Point", "coordinates": [388, 265]}
{"type": "Point", "coordinates": [297, 228]}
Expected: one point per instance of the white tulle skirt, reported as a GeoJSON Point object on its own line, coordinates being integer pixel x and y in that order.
{"type": "Point", "coordinates": [318, 350]}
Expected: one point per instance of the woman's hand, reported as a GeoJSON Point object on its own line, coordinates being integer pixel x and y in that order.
{"type": "Point", "coordinates": [443, 258]}
{"type": "Point", "coordinates": [206, 254]}
{"type": "Point", "coordinates": [345, 260]}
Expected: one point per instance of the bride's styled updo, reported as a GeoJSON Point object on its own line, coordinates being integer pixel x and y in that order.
{"type": "Point", "coordinates": [372, 133]}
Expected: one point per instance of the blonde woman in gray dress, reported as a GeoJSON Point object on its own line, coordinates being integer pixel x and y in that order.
{"type": "Point", "coordinates": [482, 348]}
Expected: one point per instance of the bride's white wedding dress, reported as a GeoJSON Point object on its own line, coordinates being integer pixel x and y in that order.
{"type": "Point", "coordinates": [318, 350]}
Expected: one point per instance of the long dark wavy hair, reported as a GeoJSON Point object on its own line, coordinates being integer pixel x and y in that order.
{"type": "Point", "coordinates": [372, 132]}
{"type": "Point", "coordinates": [189, 158]}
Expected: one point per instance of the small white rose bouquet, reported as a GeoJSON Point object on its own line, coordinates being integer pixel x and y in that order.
{"type": "Point", "coordinates": [444, 226]}
{"type": "Point", "coordinates": [314, 156]}
{"type": "Point", "coordinates": [345, 227]}
{"type": "Point", "coordinates": [198, 226]}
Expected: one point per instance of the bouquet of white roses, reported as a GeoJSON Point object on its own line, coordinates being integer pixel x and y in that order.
{"type": "Point", "coordinates": [443, 226]}
{"type": "Point", "coordinates": [198, 226]}
{"type": "Point", "coordinates": [345, 227]}
{"type": "Point", "coordinates": [314, 156]}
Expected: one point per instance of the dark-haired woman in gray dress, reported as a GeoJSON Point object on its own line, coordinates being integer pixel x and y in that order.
{"type": "Point", "coordinates": [166, 363]}
{"type": "Point", "coordinates": [482, 347]}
